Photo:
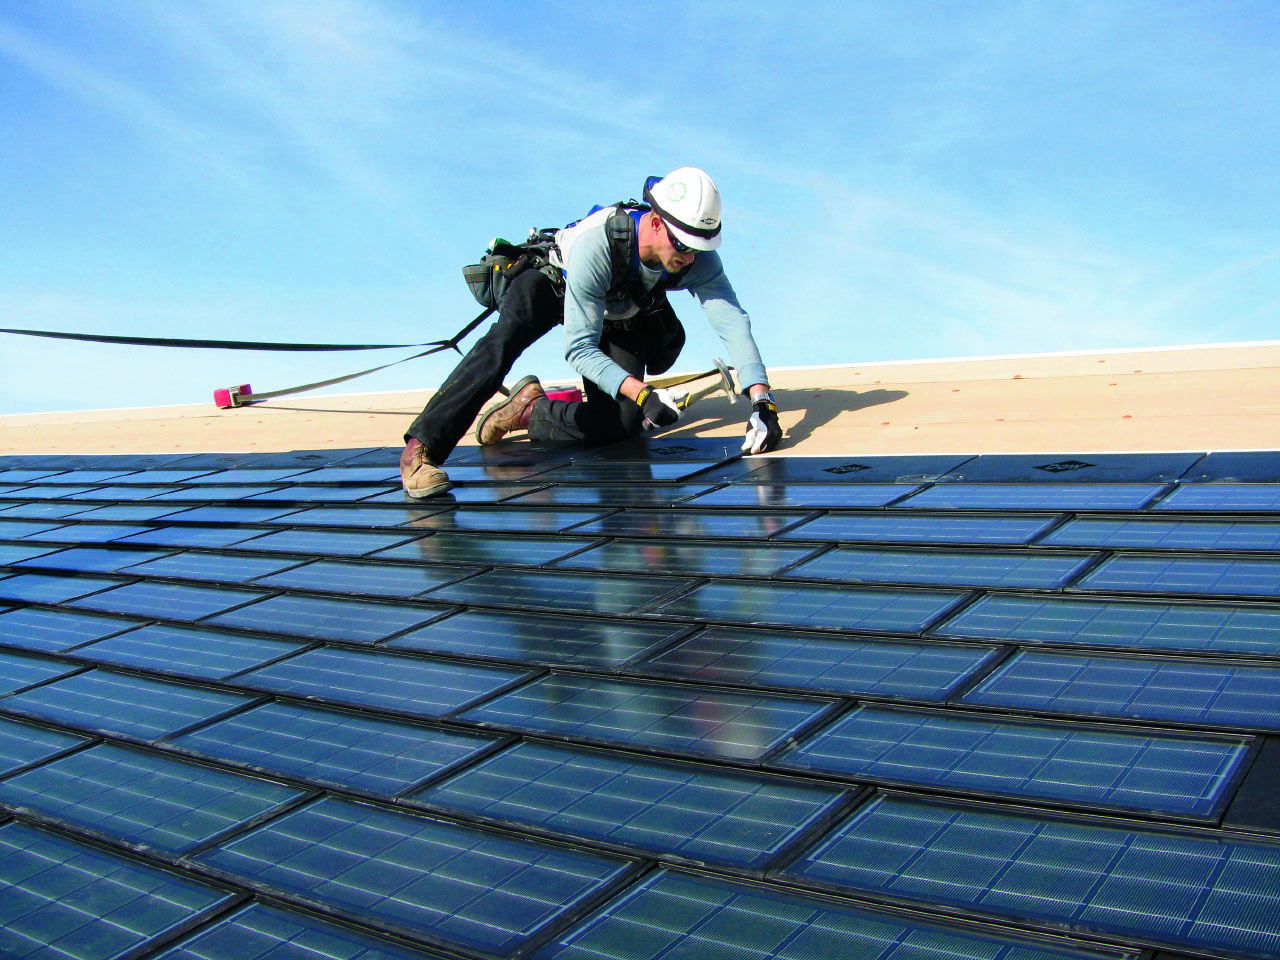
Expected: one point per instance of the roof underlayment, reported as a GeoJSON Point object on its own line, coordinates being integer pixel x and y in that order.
{"type": "Point", "coordinates": [653, 700]}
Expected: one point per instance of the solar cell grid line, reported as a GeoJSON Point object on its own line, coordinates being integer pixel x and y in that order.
{"type": "Point", "coordinates": [54, 631]}
{"type": "Point", "coordinates": [696, 813]}
{"type": "Point", "coordinates": [487, 549]}
{"type": "Point", "coordinates": [1178, 575]}
{"type": "Point", "coordinates": [167, 601]}
{"type": "Point", "coordinates": [395, 683]}
{"type": "Point", "coordinates": [324, 618]}
{"type": "Point", "coordinates": [672, 718]}
{"type": "Point", "coordinates": [432, 881]}
{"type": "Point", "coordinates": [812, 496]}
{"type": "Point", "coordinates": [1045, 570]}
{"type": "Point", "coordinates": [1222, 498]}
{"type": "Point", "coordinates": [27, 744]}
{"type": "Point", "coordinates": [185, 652]}
{"type": "Point", "coordinates": [560, 591]}
{"type": "Point", "coordinates": [533, 638]}
{"type": "Point", "coordinates": [47, 881]}
{"type": "Point", "coordinates": [123, 705]}
{"type": "Point", "coordinates": [278, 934]}
{"type": "Point", "coordinates": [710, 558]}
{"type": "Point", "coordinates": [687, 522]}
{"type": "Point", "coordinates": [673, 913]}
{"type": "Point", "coordinates": [144, 800]}
{"type": "Point", "coordinates": [1033, 496]}
{"type": "Point", "coordinates": [852, 609]}
{"type": "Point", "coordinates": [335, 748]}
{"type": "Point", "coordinates": [1218, 628]}
{"type": "Point", "coordinates": [381, 579]}
{"type": "Point", "coordinates": [54, 588]}
{"type": "Point", "coordinates": [1220, 694]}
{"type": "Point", "coordinates": [1161, 773]}
{"type": "Point", "coordinates": [19, 671]}
{"type": "Point", "coordinates": [818, 663]}
{"type": "Point", "coordinates": [1129, 533]}
{"type": "Point", "coordinates": [941, 528]}
{"type": "Point", "coordinates": [1190, 888]}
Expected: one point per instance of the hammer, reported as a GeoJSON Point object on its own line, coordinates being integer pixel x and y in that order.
{"type": "Point", "coordinates": [723, 382]}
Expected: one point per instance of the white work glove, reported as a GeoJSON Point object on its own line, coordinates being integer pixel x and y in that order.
{"type": "Point", "coordinates": [763, 430]}
{"type": "Point", "coordinates": [659, 407]}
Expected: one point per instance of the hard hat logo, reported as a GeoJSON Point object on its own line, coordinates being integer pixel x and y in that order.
{"type": "Point", "coordinates": [676, 192]}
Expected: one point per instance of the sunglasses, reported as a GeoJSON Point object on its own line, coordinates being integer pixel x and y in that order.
{"type": "Point", "coordinates": [679, 247]}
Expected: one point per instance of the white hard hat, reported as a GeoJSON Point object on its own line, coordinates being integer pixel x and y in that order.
{"type": "Point", "coordinates": [689, 203]}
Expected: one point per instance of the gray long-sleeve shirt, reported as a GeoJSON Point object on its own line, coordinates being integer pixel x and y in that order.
{"type": "Point", "coordinates": [584, 256]}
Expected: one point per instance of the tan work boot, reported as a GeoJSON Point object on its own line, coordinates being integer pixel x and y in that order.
{"type": "Point", "coordinates": [511, 413]}
{"type": "Point", "coordinates": [421, 477]}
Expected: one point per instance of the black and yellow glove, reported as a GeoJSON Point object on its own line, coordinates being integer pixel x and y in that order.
{"type": "Point", "coordinates": [763, 430]}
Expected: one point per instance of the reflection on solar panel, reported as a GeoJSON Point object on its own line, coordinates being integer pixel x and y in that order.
{"type": "Point", "coordinates": [376, 579]}
{"type": "Point", "coordinates": [673, 915]}
{"type": "Point", "coordinates": [385, 475]}
{"type": "Point", "coordinates": [933, 528]}
{"type": "Point", "coordinates": [683, 719]}
{"type": "Point", "coordinates": [281, 935]}
{"type": "Point", "coordinates": [824, 664]}
{"type": "Point", "coordinates": [333, 747]}
{"type": "Point", "coordinates": [1168, 534]}
{"type": "Point", "coordinates": [1116, 623]}
{"type": "Point", "coordinates": [213, 493]}
{"type": "Point", "coordinates": [681, 522]}
{"type": "Point", "coordinates": [354, 516]}
{"type": "Point", "coordinates": [173, 601]}
{"type": "Point", "coordinates": [22, 744]}
{"type": "Point", "coordinates": [968, 568]}
{"type": "Point", "coordinates": [46, 883]}
{"type": "Point", "coordinates": [1115, 767]}
{"type": "Point", "coordinates": [624, 472]}
{"type": "Point", "coordinates": [832, 496]}
{"type": "Point", "coordinates": [127, 706]}
{"type": "Point", "coordinates": [481, 548]}
{"type": "Point", "coordinates": [535, 638]}
{"type": "Point", "coordinates": [842, 608]}
{"type": "Point", "coordinates": [475, 519]}
{"type": "Point", "coordinates": [436, 881]}
{"type": "Point", "coordinates": [143, 799]}
{"type": "Point", "coordinates": [55, 630]}
{"type": "Point", "coordinates": [676, 556]}
{"type": "Point", "coordinates": [1183, 889]}
{"type": "Point", "coordinates": [1156, 688]}
{"type": "Point", "coordinates": [186, 652]}
{"type": "Point", "coordinates": [641, 495]}
{"type": "Point", "coordinates": [355, 621]}
{"type": "Point", "coordinates": [1181, 575]}
{"type": "Point", "coordinates": [698, 813]}
{"type": "Point", "coordinates": [588, 593]}
{"type": "Point", "coordinates": [408, 685]}
{"type": "Point", "coordinates": [1038, 496]}
{"type": "Point", "coordinates": [304, 494]}
{"type": "Point", "coordinates": [343, 543]}
{"type": "Point", "coordinates": [1227, 497]}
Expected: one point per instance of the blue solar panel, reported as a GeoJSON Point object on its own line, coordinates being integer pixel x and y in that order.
{"type": "Point", "coordinates": [268, 933]}
{"type": "Point", "coordinates": [486, 549]}
{"type": "Point", "coordinates": [1201, 891]}
{"type": "Point", "coordinates": [630, 472]}
{"type": "Point", "coordinates": [1222, 628]}
{"type": "Point", "coordinates": [304, 494]}
{"type": "Point", "coordinates": [63, 899]}
{"type": "Point", "coordinates": [19, 529]}
{"type": "Point", "coordinates": [56, 630]}
{"type": "Point", "coordinates": [52, 588]}
{"type": "Point", "coordinates": [677, 556]}
{"type": "Point", "coordinates": [468, 888]}
{"type": "Point", "coordinates": [1167, 534]}
{"type": "Point", "coordinates": [361, 516]}
{"type": "Point", "coordinates": [409, 685]}
{"type": "Point", "coordinates": [50, 510]}
{"type": "Point", "coordinates": [211, 492]}
{"type": "Point", "coordinates": [686, 522]}
{"type": "Point", "coordinates": [233, 513]}
{"type": "Point", "coordinates": [697, 813]}
{"type": "Point", "coordinates": [127, 706]}
{"type": "Point", "coordinates": [249, 475]}
{"type": "Point", "coordinates": [334, 748]}
{"type": "Point", "coordinates": [385, 475]}
{"type": "Point", "coordinates": [92, 533]}
{"type": "Point", "coordinates": [211, 537]}
{"type": "Point", "coordinates": [1224, 498]}
{"type": "Point", "coordinates": [538, 638]}
{"type": "Point", "coordinates": [560, 591]}
{"type": "Point", "coordinates": [343, 543]}
{"type": "Point", "coordinates": [1100, 766]}
{"type": "Point", "coordinates": [923, 528]}
{"type": "Point", "coordinates": [373, 579]}
{"type": "Point", "coordinates": [802, 605]}
{"type": "Point", "coordinates": [99, 559]}
{"type": "Point", "coordinates": [128, 512]}
{"type": "Point", "coordinates": [1035, 496]}
{"type": "Point", "coordinates": [812, 496]}
{"type": "Point", "coordinates": [221, 568]}
{"type": "Point", "coordinates": [20, 670]}
{"type": "Point", "coordinates": [142, 799]}
{"type": "Point", "coordinates": [669, 915]}
{"type": "Point", "coordinates": [969, 568]}
{"type": "Point", "coordinates": [504, 519]}
{"type": "Point", "coordinates": [1211, 576]}
{"type": "Point", "coordinates": [22, 744]}
{"type": "Point", "coordinates": [186, 652]}
{"type": "Point", "coordinates": [458, 493]}
{"type": "Point", "coordinates": [626, 495]}
{"type": "Point", "coordinates": [823, 664]}
{"type": "Point", "coordinates": [355, 621]}
{"type": "Point", "coordinates": [1217, 693]}
{"type": "Point", "coordinates": [678, 718]}
{"type": "Point", "coordinates": [173, 601]}
{"type": "Point", "coordinates": [17, 552]}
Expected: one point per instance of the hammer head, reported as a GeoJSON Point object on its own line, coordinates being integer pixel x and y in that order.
{"type": "Point", "coordinates": [726, 381]}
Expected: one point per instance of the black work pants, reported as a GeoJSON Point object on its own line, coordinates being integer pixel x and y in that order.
{"type": "Point", "coordinates": [530, 308]}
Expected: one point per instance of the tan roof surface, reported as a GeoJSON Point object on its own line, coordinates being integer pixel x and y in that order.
{"type": "Point", "coordinates": [1216, 397]}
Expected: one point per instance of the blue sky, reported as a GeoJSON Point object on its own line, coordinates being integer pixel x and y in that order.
{"type": "Point", "coordinates": [900, 181]}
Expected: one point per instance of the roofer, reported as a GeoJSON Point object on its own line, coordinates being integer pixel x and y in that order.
{"type": "Point", "coordinates": [607, 282]}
